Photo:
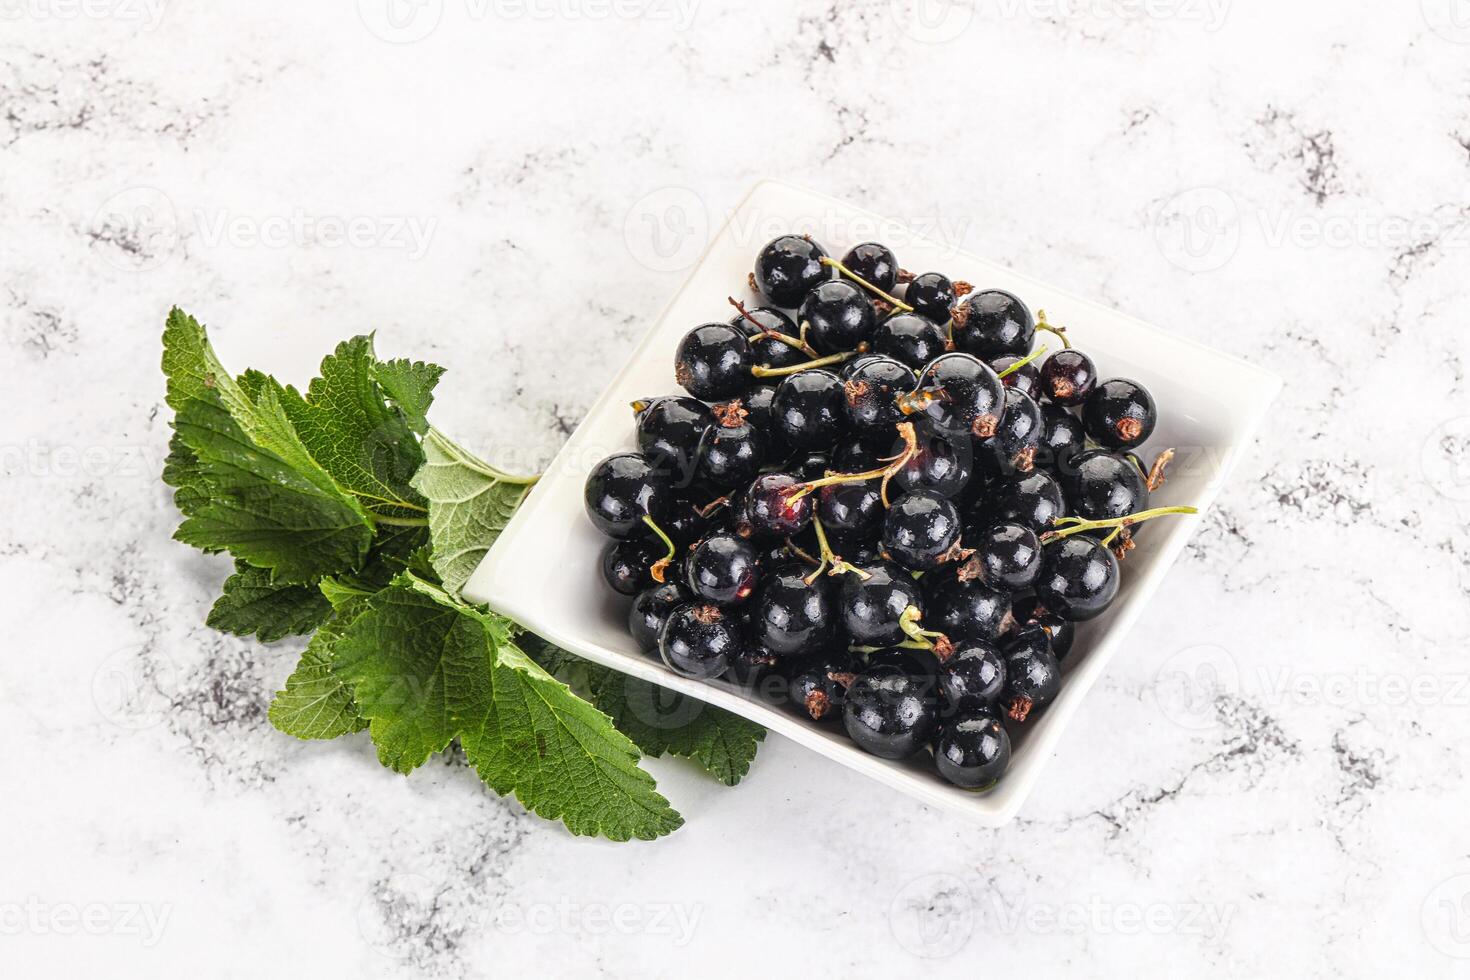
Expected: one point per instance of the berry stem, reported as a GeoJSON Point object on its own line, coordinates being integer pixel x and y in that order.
{"type": "Point", "coordinates": [761, 371]}
{"type": "Point", "coordinates": [908, 621]}
{"type": "Point", "coordinates": [844, 270]}
{"type": "Point", "coordinates": [911, 448]}
{"type": "Point", "coordinates": [1061, 332]}
{"type": "Point", "coordinates": [905, 645]}
{"type": "Point", "coordinates": [1022, 362]}
{"type": "Point", "coordinates": [763, 332]}
{"type": "Point", "coordinates": [1155, 476]}
{"type": "Point", "coordinates": [830, 559]}
{"type": "Point", "coordinates": [657, 569]}
{"type": "Point", "coordinates": [1077, 525]}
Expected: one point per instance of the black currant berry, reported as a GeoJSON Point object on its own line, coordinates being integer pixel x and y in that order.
{"type": "Point", "coordinates": [960, 606]}
{"type": "Point", "coordinates": [808, 466]}
{"type": "Point", "coordinates": [1008, 557]}
{"type": "Point", "coordinates": [1068, 377]}
{"type": "Point", "coordinates": [650, 611]}
{"type": "Point", "coordinates": [623, 489]}
{"type": "Point", "coordinates": [873, 263]}
{"type": "Point", "coordinates": [698, 640]}
{"type": "Point", "coordinates": [889, 713]}
{"type": "Point", "coordinates": [972, 752]}
{"type": "Point", "coordinates": [872, 391]}
{"type": "Point", "coordinates": [921, 530]}
{"type": "Point", "coordinates": [932, 296]}
{"type": "Point", "coordinates": [1026, 378]}
{"type": "Point", "coordinates": [713, 362]}
{"type": "Point", "coordinates": [1062, 438]}
{"type": "Point", "coordinates": [770, 508]}
{"type": "Point", "coordinates": [850, 510]}
{"type": "Point", "coordinates": [838, 317]}
{"type": "Point", "coordinates": [974, 676]}
{"type": "Point", "coordinates": [916, 663]}
{"type": "Point", "coordinates": [732, 451]}
{"type": "Point", "coordinates": [1031, 611]}
{"type": "Point", "coordinates": [788, 268]}
{"type": "Point", "coordinates": [855, 454]}
{"type": "Point", "coordinates": [1033, 677]}
{"type": "Point", "coordinates": [764, 326]}
{"type": "Point", "coordinates": [1032, 499]}
{"type": "Point", "coordinates": [817, 685]}
{"type": "Point", "coordinates": [943, 461]}
{"type": "Point", "coordinates": [1079, 577]}
{"type": "Point", "coordinates": [996, 323]}
{"type": "Point", "coordinates": [790, 617]}
{"type": "Point", "coordinates": [722, 568]}
{"type": "Point", "coordinates": [626, 564]}
{"type": "Point", "coordinates": [1101, 485]}
{"type": "Point", "coordinates": [1018, 435]}
{"type": "Point", "coordinates": [810, 409]}
{"type": "Point", "coordinates": [1119, 414]}
{"type": "Point", "coordinates": [874, 601]}
{"type": "Point", "coordinates": [669, 430]}
{"type": "Point", "coordinates": [910, 338]}
{"type": "Point", "coordinates": [960, 392]}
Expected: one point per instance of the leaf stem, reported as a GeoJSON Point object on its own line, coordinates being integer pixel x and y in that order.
{"type": "Point", "coordinates": [400, 521]}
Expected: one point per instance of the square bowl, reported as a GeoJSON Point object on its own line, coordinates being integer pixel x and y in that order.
{"type": "Point", "coordinates": [544, 573]}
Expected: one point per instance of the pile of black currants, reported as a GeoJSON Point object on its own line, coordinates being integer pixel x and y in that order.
{"type": "Point", "coordinates": [884, 506]}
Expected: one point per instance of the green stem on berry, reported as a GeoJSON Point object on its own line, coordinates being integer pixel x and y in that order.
{"type": "Point", "coordinates": [844, 270]}
{"type": "Point", "coordinates": [832, 563]}
{"type": "Point", "coordinates": [763, 332]}
{"type": "Point", "coordinates": [761, 371]}
{"type": "Point", "coordinates": [905, 645]}
{"type": "Point", "coordinates": [799, 552]}
{"type": "Point", "coordinates": [657, 569]}
{"type": "Point", "coordinates": [1061, 332]}
{"type": "Point", "coordinates": [1077, 525]}
{"type": "Point", "coordinates": [1022, 363]}
{"type": "Point", "coordinates": [911, 449]}
{"type": "Point", "coordinates": [908, 621]}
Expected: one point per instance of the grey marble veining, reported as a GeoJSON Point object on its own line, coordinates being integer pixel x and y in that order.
{"type": "Point", "coordinates": [1270, 782]}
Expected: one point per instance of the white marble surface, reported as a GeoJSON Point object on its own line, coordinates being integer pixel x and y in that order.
{"type": "Point", "coordinates": [1270, 783]}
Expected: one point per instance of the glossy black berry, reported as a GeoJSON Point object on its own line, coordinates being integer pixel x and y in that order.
{"type": "Point", "coordinates": [996, 323]}
{"type": "Point", "coordinates": [1033, 676]}
{"type": "Point", "coordinates": [873, 263]}
{"type": "Point", "coordinates": [1119, 414]}
{"type": "Point", "coordinates": [790, 617]}
{"type": "Point", "coordinates": [810, 409]}
{"type": "Point", "coordinates": [1026, 378]}
{"type": "Point", "coordinates": [650, 611]}
{"type": "Point", "coordinates": [854, 454]}
{"type": "Point", "coordinates": [698, 640]}
{"type": "Point", "coordinates": [1068, 377]}
{"type": "Point", "coordinates": [873, 602]}
{"type": "Point", "coordinates": [1062, 438]}
{"type": "Point", "coordinates": [921, 530]}
{"type": "Point", "coordinates": [916, 663]}
{"type": "Point", "coordinates": [943, 462]}
{"type": "Point", "coordinates": [722, 568]}
{"type": "Point", "coordinates": [1031, 611]}
{"type": "Point", "coordinates": [871, 393]}
{"type": "Point", "coordinates": [973, 676]}
{"type": "Point", "coordinates": [932, 296]}
{"type": "Point", "coordinates": [669, 430]}
{"type": "Point", "coordinates": [788, 268]}
{"type": "Point", "coordinates": [972, 752]}
{"type": "Point", "coordinates": [850, 510]}
{"type": "Point", "coordinates": [713, 362]}
{"type": "Point", "coordinates": [731, 454]}
{"type": "Point", "coordinates": [1018, 436]}
{"type": "Point", "coordinates": [838, 316]}
{"type": "Point", "coordinates": [1032, 499]}
{"type": "Point", "coordinates": [889, 713]}
{"type": "Point", "coordinates": [910, 338]}
{"type": "Point", "coordinates": [626, 564]}
{"type": "Point", "coordinates": [961, 392]}
{"type": "Point", "coordinates": [757, 404]}
{"type": "Point", "coordinates": [1102, 485]}
{"type": "Point", "coordinates": [1008, 557]}
{"type": "Point", "coordinates": [1079, 577]}
{"type": "Point", "coordinates": [758, 324]}
{"type": "Point", "coordinates": [960, 606]}
{"type": "Point", "coordinates": [622, 489]}
{"type": "Point", "coordinates": [815, 690]}
{"type": "Point", "coordinates": [771, 508]}
{"type": "Point", "coordinates": [808, 465]}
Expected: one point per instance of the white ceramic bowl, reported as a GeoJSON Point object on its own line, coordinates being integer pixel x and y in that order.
{"type": "Point", "coordinates": [544, 570]}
